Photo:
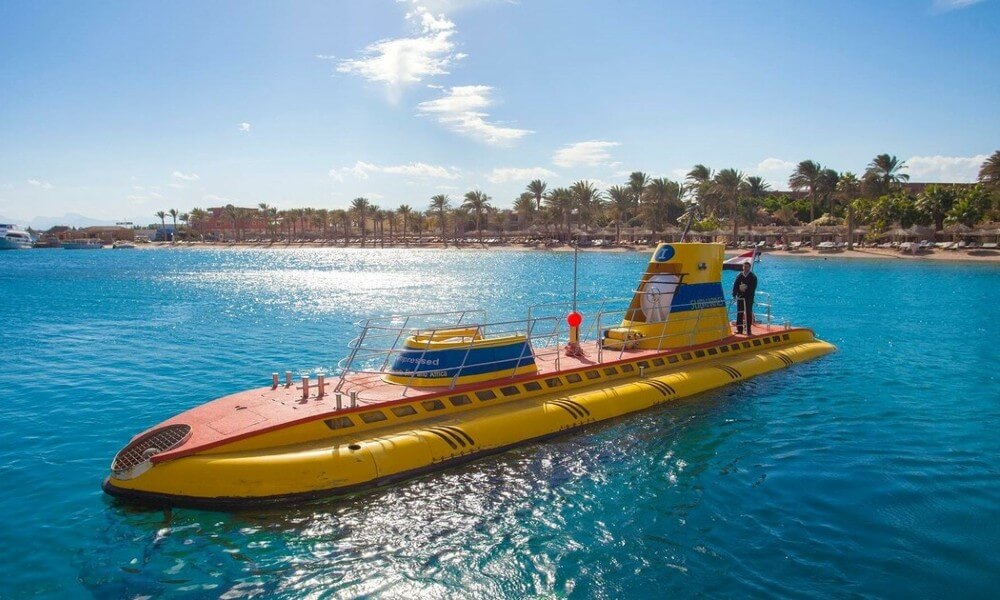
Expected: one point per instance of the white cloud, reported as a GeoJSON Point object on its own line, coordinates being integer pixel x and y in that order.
{"type": "Point", "coordinates": [400, 61]}
{"type": "Point", "coordinates": [176, 186]}
{"type": "Point", "coordinates": [589, 153]}
{"type": "Point", "coordinates": [362, 170]}
{"type": "Point", "coordinates": [244, 126]}
{"type": "Point", "coordinates": [218, 199]}
{"type": "Point", "coordinates": [948, 5]}
{"type": "Point", "coordinates": [185, 176]}
{"type": "Point", "coordinates": [45, 185]}
{"type": "Point", "coordinates": [461, 110]}
{"type": "Point", "coordinates": [503, 175]}
{"type": "Point", "coordinates": [774, 164]}
{"type": "Point", "coordinates": [944, 169]}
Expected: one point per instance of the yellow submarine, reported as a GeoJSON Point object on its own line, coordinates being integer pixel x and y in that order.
{"type": "Point", "coordinates": [425, 392]}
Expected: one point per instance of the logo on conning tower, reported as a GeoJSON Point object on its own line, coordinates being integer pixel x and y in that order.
{"type": "Point", "coordinates": [664, 254]}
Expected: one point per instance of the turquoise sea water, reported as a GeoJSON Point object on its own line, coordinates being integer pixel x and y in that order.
{"type": "Point", "coordinates": [871, 472]}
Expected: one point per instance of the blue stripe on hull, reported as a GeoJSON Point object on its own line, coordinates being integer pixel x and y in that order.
{"type": "Point", "coordinates": [697, 296]}
{"type": "Point", "coordinates": [448, 363]}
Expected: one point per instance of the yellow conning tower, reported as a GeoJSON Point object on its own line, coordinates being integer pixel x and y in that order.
{"type": "Point", "coordinates": [679, 300]}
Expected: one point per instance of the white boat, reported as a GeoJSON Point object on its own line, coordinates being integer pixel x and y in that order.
{"type": "Point", "coordinates": [13, 237]}
{"type": "Point", "coordinates": [123, 245]}
{"type": "Point", "coordinates": [83, 244]}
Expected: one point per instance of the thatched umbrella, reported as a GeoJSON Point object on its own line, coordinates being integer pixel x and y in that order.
{"type": "Point", "coordinates": [957, 230]}
{"type": "Point", "coordinates": [896, 232]}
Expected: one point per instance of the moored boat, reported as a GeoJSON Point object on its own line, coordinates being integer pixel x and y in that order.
{"type": "Point", "coordinates": [422, 392]}
{"type": "Point", "coordinates": [83, 244]}
{"type": "Point", "coordinates": [13, 237]}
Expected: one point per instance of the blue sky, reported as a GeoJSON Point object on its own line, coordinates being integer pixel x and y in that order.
{"type": "Point", "coordinates": [118, 109]}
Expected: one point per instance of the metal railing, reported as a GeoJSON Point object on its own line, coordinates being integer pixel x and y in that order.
{"type": "Point", "coordinates": [383, 339]}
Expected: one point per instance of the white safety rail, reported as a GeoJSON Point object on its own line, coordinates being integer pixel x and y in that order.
{"type": "Point", "coordinates": [762, 311]}
{"type": "Point", "coordinates": [382, 339]}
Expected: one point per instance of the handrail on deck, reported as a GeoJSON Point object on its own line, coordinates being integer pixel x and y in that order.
{"type": "Point", "coordinates": [381, 338]}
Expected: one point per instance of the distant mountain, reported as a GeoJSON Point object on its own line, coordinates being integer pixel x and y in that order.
{"type": "Point", "coordinates": [70, 219]}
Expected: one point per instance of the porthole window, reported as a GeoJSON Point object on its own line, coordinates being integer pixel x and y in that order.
{"type": "Point", "coordinates": [431, 405]}
{"type": "Point", "coordinates": [510, 390]}
{"type": "Point", "coordinates": [460, 400]}
{"type": "Point", "coordinates": [592, 375]}
{"type": "Point", "coordinates": [403, 411]}
{"type": "Point", "coordinates": [339, 422]}
{"type": "Point", "coordinates": [373, 417]}
{"type": "Point", "coordinates": [486, 395]}
{"type": "Point", "coordinates": [532, 386]}
{"type": "Point", "coordinates": [673, 358]}
{"type": "Point", "coordinates": [574, 378]}
{"type": "Point", "coordinates": [553, 382]}
{"type": "Point", "coordinates": [610, 371]}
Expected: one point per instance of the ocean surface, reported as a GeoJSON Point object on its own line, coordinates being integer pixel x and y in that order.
{"type": "Point", "coordinates": [871, 472]}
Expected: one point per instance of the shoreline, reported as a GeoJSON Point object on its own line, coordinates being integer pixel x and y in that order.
{"type": "Point", "coordinates": [980, 256]}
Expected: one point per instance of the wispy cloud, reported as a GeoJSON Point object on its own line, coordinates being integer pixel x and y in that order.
{"type": "Point", "coordinates": [945, 169]}
{"type": "Point", "coordinates": [461, 109]}
{"type": "Point", "coordinates": [775, 171]}
{"type": "Point", "coordinates": [45, 185]}
{"type": "Point", "coordinates": [362, 170]}
{"type": "Point", "coordinates": [503, 175]}
{"type": "Point", "coordinates": [218, 199]}
{"type": "Point", "coordinates": [950, 5]}
{"type": "Point", "coordinates": [245, 127]}
{"type": "Point", "coordinates": [590, 153]}
{"type": "Point", "coordinates": [185, 176]}
{"type": "Point", "coordinates": [400, 61]}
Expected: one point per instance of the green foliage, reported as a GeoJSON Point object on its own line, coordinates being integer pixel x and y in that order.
{"type": "Point", "coordinates": [970, 207]}
{"type": "Point", "coordinates": [709, 223]}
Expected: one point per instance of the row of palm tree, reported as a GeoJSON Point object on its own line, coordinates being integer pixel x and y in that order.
{"type": "Point", "coordinates": [724, 196]}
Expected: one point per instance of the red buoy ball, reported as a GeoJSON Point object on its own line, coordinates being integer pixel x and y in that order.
{"type": "Point", "coordinates": [574, 319]}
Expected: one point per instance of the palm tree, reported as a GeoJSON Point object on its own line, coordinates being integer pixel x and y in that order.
{"type": "Point", "coordinates": [344, 218]}
{"type": "Point", "coordinates": [884, 173]}
{"type": "Point", "coordinates": [849, 189]}
{"type": "Point", "coordinates": [186, 219]}
{"type": "Point", "coordinates": [478, 202]}
{"type": "Point", "coordinates": [807, 176]}
{"type": "Point", "coordinates": [587, 199]}
{"type": "Point", "coordinates": [727, 184]}
{"type": "Point", "coordinates": [173, 215]}
{"type": "Point", "coordinates": [198, 216]}
{"type": "Point", "coordinates": [390, 216]}
{"type": "Point", "coordinates": [233, 214]}
{"type": "Point", "coordinates": [656, 200]}
{"type": "Point", "coordinates": [754, 188]}
{"type": "Point", "coordinates": [163, 222]}
{"type": "Point", "coordinates": [620, 207]}
{"type": "Point", "coordinates": [524, 206]}
{"type": "Point", "coordinates": [937, 201]}
{"type": "Point", "coordinates": [989, 172]}
{"type": "Point", "coordinates": [537, 189]}
{"type": "Point", "coordinates": [700, 179]}
{"type": "Point", "coordinates": [405, 210]}
{"type": "Point", "coordinates": [440, 203]}
{"type": "Point", "coordinates": [360, 206]}
{"type": "Point", "coordinates": [827, 185]}
{"type": "Point", "coordinates": [268, 213]}
{"type": "Point", "coordinates": [637, 182]}
{"type": "Point", "coordinates": [559, 205]}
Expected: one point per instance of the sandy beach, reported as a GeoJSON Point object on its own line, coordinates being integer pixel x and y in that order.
{"type": "Point", "coordinates": [987, 256]}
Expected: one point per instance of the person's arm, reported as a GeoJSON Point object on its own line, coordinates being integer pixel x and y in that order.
{"type": "Point", "coordinates": [752, 285]}
{"type": "Point", "coordinates": [736, 284]}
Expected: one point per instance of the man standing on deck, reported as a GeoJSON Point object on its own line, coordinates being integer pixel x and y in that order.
{"type": "Point", "coordinates": [743, 290]}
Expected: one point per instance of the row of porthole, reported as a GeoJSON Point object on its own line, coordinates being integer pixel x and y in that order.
{"type": "Point", "coordinates": [407, 410]}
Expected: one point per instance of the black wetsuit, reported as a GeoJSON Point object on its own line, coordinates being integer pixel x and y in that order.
{"type": "Point", "coordinates": [744, 300]}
